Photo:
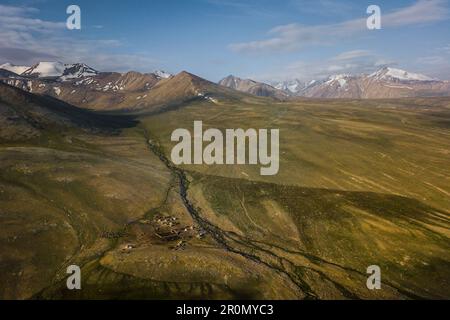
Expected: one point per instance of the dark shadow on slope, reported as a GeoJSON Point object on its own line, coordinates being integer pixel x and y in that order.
{"type": "Point", "coordinates": [45, 112]}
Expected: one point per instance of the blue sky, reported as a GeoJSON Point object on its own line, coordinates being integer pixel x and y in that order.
{"type": "Point", "coordinates": [261, 39]}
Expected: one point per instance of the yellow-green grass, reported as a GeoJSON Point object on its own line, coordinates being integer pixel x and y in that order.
{"type": "Point", "coordinates": [360, 183]}
{"type": "Point", "coordinates": [395, 147]}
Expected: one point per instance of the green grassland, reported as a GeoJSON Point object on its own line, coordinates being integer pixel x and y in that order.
{"type": "Point", "coordinates": [83, 203]}
{"type": "Point", "coordinates": [360, 183]}
{"type": "Point", "coordinates": [399, 147]}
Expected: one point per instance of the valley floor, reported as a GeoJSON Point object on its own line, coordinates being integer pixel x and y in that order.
{"type": "Point", "coordinates": [358, 185]}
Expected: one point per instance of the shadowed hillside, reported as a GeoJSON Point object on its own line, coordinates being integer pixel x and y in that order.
{"type": "Point", "coordinates": [23, 113]}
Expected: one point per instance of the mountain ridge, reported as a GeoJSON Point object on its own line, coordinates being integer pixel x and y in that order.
{"type": "Point", "coordinates": [83, 86]}
{"type": "Point", "coordinates": [386, 82]}
{"type": "Point", "coordinates": [253, 87]}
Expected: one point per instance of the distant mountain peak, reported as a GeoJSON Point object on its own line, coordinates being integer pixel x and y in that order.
{"type": "Point", "coordinates": [252, 87]}
{"type": "Point", "coordinates": [162, 74]}
{"type": "Point", "coordinates": [236, 83]}
{"type": "Point", "coordinates": [295, 86]}
{"type": "Point", "coordinates": [389, 73]}
{"type": "Point", "coordinates": [77, 70]}
{"type": "Point", "coordinates": [56, 69]}
{"type": "Point", "coordinates": [339, 76]}
{"type": "Point", "coordinates": [233, 77]}
{"type": "Point", "coordinates": [385, 82]}
{"type": "Point", "coordinates": [184, 73]}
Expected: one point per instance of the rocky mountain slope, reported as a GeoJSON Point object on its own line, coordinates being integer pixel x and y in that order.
{"type": "Point", "coordinates": [384, 83]}
{"type": "Point", "coordinates": [253, 87]}
{"type": "Point", "coordinates": [294, 87]}
{"type": "Point", "coordinates": [82, 86]}
{"type": "Point", "coordinates": [26, 115]}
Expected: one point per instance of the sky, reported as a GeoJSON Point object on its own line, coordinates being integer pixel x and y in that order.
{"type": "Point", "coordinates": [266, 40]}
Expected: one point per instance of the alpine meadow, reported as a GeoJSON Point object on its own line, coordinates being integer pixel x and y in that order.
{"type": "Point", "coordinates": [314, 163]}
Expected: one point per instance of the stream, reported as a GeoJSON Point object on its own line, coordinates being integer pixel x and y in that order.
{"type": "Point", "coordinates": [222, 237]}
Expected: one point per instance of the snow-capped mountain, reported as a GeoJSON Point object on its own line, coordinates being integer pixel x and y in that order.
{"type": "Point", "coordinates": [335, 86]}
{"type": "Point", "coordinates": [386, 82]}
{"type": "Point", "coordinates": [162, 74]}
{"type": "Point", "coordinates": [63, 71]}
{"type": "Point", "coordinates": [340, 79]}
{"type": "Point", "coordinates": [77, 71]}
{"type": "Point", "coordinates": [295, 87]}
{"type": "Point", "coordinates": [81, 85]}
{"type": "Point", "coordinates": [46, 69]}
{"type": "Point", "coordinates": [14, 68]}
{"type": "Point", "coordinates": [390, 74]}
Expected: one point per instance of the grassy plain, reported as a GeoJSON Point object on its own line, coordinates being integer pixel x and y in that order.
{"type": "Point", "coordinates": [360, 183]}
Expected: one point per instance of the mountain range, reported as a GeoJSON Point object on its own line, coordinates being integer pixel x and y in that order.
{"type": "Point", "coordinates": [79, 84]}
{"type": "Point", "coordinates": [98, 190]}
{"type": "Point", "coordinates": [253, 87]}
{"type": "Point", "coordinates": [386, 82]}
{"type": "Point", "coordinates": [83, 86]}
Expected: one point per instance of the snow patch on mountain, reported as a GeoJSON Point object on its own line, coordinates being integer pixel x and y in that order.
{"type": "Point", "coordinates": [388, 73]}
{"type": "Point", "coordinates": [64, 72]}
{"type": "Point", "coordinates": [77, 71]}
{"type": "Point", "coordinates": [46, 69]}
{"type": "Point", "coordinates": [345, 81]}
{"type": "Point", "coordinates": [162, 74]}
{"type": "Point", "coordinates": [57, 90]}
{"type": "Point", "coordinates": [338, 77]}
{"type": "Point", "coordinates": [295, 86]}
{"type": "Point", "coordinates": [13, 68]}
{"type": "Point", "coordinates": [207, 97]}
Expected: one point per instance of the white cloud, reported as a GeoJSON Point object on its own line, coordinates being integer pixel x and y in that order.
{"type": "Point", "coordinates": [294, 36]}
{"type": "Point", "coordinates": [349, 55]}
{"type": "Point", "coordinates": [240, 8]}
{"type": "Point", "coordinates": [17, 11]}
{"type": "Point", "coordinates": [350, 62]}
{"type": "Point", "coordinates": [432, 60]}
{"type": "Point", "coordinates": [423, 11]}
{"type": "Point", "coordinates": [25, 40]}
{"type": "Point", "coordinates": [437, 63]}
{"type": "Point", "coordinates": [323, 7]}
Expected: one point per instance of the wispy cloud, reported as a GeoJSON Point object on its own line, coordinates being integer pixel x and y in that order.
{"type": "Point", "coordinates": [294, 36]}
{"type": "Point", "coordinates": [17, 10]}
{"type": "Point", "coordinates": [322, 7]}
{"type": "Point", "coordinates": [349, 55]}
{"type": "Point", "coordinates": [26, 39]}
{"type": "Point", "coordinates": [349, 62]}
{"type": "Point", "coordinates": [437, 62]}
{"type": "Point", "coordinates": [241, 8]}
